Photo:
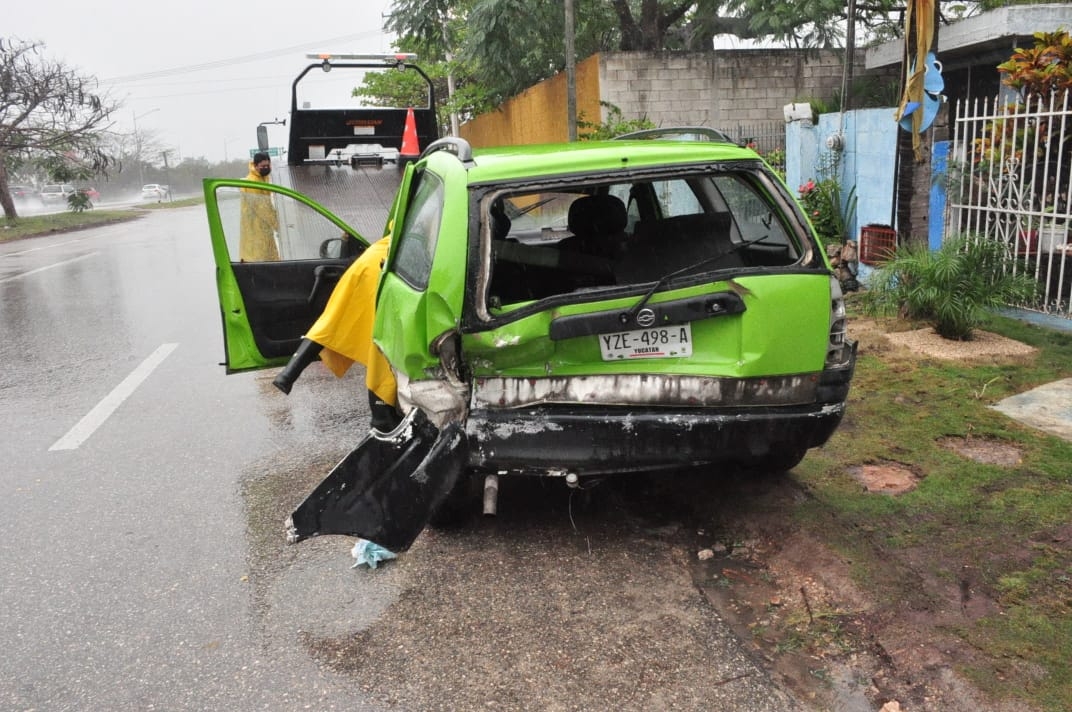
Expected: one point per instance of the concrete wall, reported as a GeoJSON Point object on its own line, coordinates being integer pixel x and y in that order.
{"type": "Point", "coordinates": [720, 89]}
{"type": "Point", "coordinates": [723, 89]}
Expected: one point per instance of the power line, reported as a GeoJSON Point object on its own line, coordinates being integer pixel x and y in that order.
{"type": "Point", "coordinates": [237, 60]}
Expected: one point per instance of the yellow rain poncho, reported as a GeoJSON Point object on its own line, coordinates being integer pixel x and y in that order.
{"type": "Point", "coordinates": [344, 328]}
{"type": "Point", "coordinates": [259, 223]}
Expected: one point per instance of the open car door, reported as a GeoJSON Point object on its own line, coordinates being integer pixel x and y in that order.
{"type": "Point", "coordinates": [389, 486]}
{"type": "Point", "coordinates": [295, 251]}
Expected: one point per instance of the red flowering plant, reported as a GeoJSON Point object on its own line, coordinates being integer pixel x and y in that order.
{"type": "Point", "coordinates": [823, 205]}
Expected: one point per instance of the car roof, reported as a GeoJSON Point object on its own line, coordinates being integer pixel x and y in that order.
{"type": "Point", "coordinates": [532, 161]}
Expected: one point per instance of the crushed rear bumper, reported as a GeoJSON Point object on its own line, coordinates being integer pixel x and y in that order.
{"type": "Point", "coordinates": [595, 439]}
{"type": "Point", "coordinates": [600, 440]}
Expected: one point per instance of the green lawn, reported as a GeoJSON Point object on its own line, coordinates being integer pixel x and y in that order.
{"type": "Point", "coordinates": [34, 226]}
{"type": "Point", "coordinates": [1010, 525]}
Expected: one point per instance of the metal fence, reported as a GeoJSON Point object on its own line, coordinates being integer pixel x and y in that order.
{"type": "Point", "coordinates": [768, 139]}
{"type": "Point", "coordinates": [1010, 179]}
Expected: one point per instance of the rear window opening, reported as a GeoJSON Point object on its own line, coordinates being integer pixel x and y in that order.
{"type": "Point", "coordinates": [551, 242]}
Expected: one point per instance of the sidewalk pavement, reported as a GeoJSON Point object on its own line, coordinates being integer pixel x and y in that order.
{"type": "Point", "coordinates": [1048, 407]}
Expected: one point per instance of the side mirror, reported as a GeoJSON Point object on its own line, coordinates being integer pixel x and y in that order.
{"type": "Point", "coordinates": [337, 247]}
{"type": "Point", "coordinates": [262, 138]}
{"type": "Point", "coordinates": [331, 249]}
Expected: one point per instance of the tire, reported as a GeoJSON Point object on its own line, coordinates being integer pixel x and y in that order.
{"type": "Point", "coordinates": [778, 461]}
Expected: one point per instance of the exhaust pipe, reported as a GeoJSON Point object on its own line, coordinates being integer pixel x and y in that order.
{"type": "Point", "coordinates": [491, 495]}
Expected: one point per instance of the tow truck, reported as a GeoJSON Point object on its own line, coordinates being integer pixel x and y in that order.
{"type": "Point", "coordinates": [349, 158]}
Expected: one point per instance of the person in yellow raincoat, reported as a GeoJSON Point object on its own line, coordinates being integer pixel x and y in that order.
{"type": "Point", "coordinates": [342, 335]}
{"type": "Point", "coordinates": [259, 220]}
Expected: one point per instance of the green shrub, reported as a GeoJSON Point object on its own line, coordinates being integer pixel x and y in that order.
{"type": "Point", "coordinates": [951, 288]}
{"type": "Point", "coordinates": [615, 125]}
{"type": "Point", "coordinates": [78, 201]}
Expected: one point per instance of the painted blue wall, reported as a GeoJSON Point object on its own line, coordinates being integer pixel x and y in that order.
{"type": "Point", "coordinates": [866, 162]}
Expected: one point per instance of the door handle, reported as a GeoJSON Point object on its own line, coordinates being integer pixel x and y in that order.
{"type": "Point", "coordinates": [321, 275]}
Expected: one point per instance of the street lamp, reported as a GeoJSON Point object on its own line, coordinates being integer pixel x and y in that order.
{"type": "Point", "coordinates": [137, 141]}
{"type": "Point", "coordinates": [138, 116]}
{"type": "Point", "coordinates": [226, 143]}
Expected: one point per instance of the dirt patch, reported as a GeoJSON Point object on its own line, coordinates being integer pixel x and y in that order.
{"type": "Point", "coordinates": [984, 451]}
{"type": "Point", "coordinates": [885, 477]}
{"type": "Point", "coordinates": [559, 603]}
{"type": "Point", "coordinates": [983, 345]}
{"type": "Point", "coordinates": [832, 642]}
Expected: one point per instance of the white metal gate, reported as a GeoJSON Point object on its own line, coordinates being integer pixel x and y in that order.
{"type": "Point", "coordinates": [1010, 169]}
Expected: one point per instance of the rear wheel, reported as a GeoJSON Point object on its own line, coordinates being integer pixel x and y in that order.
{"type": "Point", "coordinates": [461, 504]}
{"type": "Point", "coordinates": [778, 460]}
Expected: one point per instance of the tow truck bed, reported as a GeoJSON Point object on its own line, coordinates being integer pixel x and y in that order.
{"type": "Point", "coordinates": [359, 195]}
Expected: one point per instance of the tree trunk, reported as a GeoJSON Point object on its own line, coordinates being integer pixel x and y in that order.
{"type": "Point", "coordinates": [6, 200]}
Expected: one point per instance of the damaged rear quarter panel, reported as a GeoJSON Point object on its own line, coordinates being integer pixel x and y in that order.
{"type": "Point", "coordinates": [408, 320]}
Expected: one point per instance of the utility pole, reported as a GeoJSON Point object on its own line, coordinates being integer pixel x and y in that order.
{"type": "Point", "coordinates": [454, 127]}
{"type": "Point", "coordinates": [850, 58]}
{"type": "Point", "coordinates": [571, 76]}
{"type": "Point", "coordinates": [167, 176]}
{"type": "Point", "coordinates": [137, 141]}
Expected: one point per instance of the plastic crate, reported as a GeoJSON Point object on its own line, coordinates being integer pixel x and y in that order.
{"type": "Point", "coordinates": [877, 243]}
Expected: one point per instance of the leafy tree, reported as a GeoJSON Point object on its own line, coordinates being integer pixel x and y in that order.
{"type": "Point", "coordinates": [1042, 69]}
{"type": "Point", "coordinates": [79, 202]}
{"type": "Point", "coordinates": [495, 49]}
{"type": "Point", "coordinates": [50, 117]}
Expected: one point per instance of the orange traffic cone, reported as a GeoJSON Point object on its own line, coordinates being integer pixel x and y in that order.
{"type": "Point", "coordinates": [410, 146]}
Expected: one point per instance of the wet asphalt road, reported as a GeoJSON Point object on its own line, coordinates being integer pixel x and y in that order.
{"type": "Point", "coordinates": [125, 574]}
{"type": "Point", "coordinates": [142, 494]}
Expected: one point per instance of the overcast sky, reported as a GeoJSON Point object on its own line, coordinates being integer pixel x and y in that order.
{"type": "Point", "coordinates": [199, 74]}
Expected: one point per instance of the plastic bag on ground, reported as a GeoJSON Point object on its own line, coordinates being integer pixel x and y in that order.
{"type": "Point", "coordinates": [370, 553]}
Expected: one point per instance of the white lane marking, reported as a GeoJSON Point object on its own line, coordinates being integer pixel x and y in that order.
{"type": "Point", "coordinates": [42, 269]}
{"type": "Point", "coordinates": [101, 412]}
{"type": "Point", "coordinates": [45, 247]}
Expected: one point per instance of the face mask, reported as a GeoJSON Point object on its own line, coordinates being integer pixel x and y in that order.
{"type": "Point", "coordinates": [264, 171]}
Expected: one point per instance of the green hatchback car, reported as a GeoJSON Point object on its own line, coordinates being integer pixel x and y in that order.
{"type": "Point", "coordinates": [571, 311]}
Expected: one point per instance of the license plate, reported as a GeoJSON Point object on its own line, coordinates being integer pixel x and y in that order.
{"type": "Point", "coordinates": [659, 342]}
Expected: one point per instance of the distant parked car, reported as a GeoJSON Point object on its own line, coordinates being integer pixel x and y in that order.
{"type": "Point", "coordinates": [155, 191]}
{"type": "Point", "coordinates": [22, 193]}
{"type": "Point", "coordinates": [56, 193]}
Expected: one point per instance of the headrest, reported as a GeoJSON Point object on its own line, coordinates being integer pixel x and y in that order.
{"type": "Point", "coordinates": [500, 224]}
{"type": "Point", "coordinates": [596, 215]}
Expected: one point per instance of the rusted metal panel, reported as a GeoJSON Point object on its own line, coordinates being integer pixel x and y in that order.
{"type": "Point", "coordinates": [645, 389]}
